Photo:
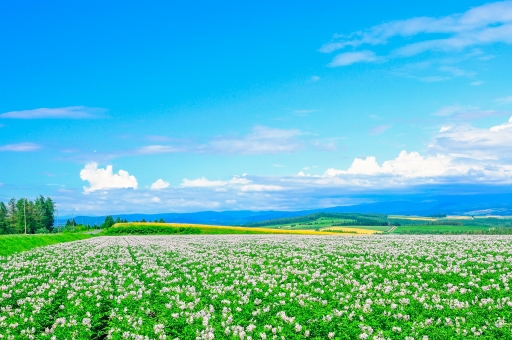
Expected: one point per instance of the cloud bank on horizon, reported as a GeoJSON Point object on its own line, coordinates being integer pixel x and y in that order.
{"type": "Point", "coordinates": [395, 102]}
{"type": "Point", "coordinates": [457, 154]}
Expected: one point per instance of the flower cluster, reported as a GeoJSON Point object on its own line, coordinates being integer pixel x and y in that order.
{"type": "Point", "coordinates": [252, 287]}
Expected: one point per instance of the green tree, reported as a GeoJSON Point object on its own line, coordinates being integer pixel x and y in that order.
{"type": "Point", "coordinates": [161, 220]}
{"type": "Point", "coordinates": [109, 222]}
{"type": "Point", "coordinates": [3, 219]}
{"type": "Point", "coordinates": [47, 213]}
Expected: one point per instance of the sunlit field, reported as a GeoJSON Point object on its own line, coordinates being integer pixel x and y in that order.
{"type": "Point", "coordinates": [260, 287]}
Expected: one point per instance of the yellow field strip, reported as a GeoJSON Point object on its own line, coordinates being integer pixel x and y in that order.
{"type": "Point", "coordinates": [263, 230]}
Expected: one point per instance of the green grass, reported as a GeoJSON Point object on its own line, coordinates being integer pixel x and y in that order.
{"type": "Point", "coordinates": [11, 244]}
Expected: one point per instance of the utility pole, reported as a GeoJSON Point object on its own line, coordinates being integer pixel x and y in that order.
{"type": "Point", "coordinates": [25, 214]}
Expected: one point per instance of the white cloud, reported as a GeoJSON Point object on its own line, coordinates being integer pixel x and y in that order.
{"type": "Point", "coordinates": [476, 83]}
{"type": "Point", "coordinates": [156, 200]}
{"type": "Point", "coordinates": [159, 184]}
{"type": "Point", "coordinates": [469, 142]}
{"type": "Point", "coordinates": [20, 147]}
{"type": "Point", "coordinates": [460, 151]}
{"type": "Point", "coordinates": [100, 179]}
{"type": "Point", "coordinates": [205, 183]}
{"type": "Point", "coordinates": [235, 183]}
{"type": "Point", "coordinates": [486, 24]}
{"type": "Point", "coordinates": [349, 58]}
{"type": "Point", "coordinates": [70, 112]}
{"type": "Point", "coordinates": [314, 79]}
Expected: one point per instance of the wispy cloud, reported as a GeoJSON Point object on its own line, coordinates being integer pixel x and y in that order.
{"type": "Point", "coordinates": [451, 109]}
{"type": "Point", "coordinates": [303, 113]}
{"type": "Point", "coordinates": [314, 79]}
{"type": "Point", "coordinates": [468, 112]}
{"type": "Point", "coordinates": [504, 100]}
{"type": "Point", "coordinates": [482, 25]}
{"type": "Point", "coordinates": [70, 112]}
{"type": "Point", "coordinates": [156, 149]}
{"type": "Point", "coordinates": [432, 79]}
{"type": "Point", "coordinates": [349, 58]}
{"type": "Point", "coordinates": [329, 144]}
{"type": "Point", "coordinates": [261, 140]}
{"type": "Point", "coordinates": [20, 147]}
{"type": "Point", "coordinates": [377, 130]}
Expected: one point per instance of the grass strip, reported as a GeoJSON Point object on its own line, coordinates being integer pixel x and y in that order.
{"type": "Point", "coordinates": [11, 244]}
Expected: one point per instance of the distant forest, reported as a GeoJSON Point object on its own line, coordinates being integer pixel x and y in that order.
{"type": "Point", "coordinates": [36, 216]}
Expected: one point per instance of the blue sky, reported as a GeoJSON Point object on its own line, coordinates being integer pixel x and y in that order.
{"type": "Point", "coordinates": [177, 107]}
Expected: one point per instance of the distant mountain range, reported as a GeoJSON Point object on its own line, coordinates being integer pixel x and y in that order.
{"type": "Point", "coordinates": [471, 204]}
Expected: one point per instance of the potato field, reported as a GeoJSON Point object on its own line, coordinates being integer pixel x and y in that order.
{"type": "Point", "coordinates": [260, 287]}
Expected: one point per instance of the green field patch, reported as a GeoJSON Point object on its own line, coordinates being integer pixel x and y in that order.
{"type": "Point", "coordinates": [11, 244]}
{"type": "Point", "coordinates": [441, 229]}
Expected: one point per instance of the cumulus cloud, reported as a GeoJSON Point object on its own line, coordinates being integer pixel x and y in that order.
{"type": "Point", "coordinates": [69, 112]}
{"type": "Point", "coordinates": [486, 24]}
{"type": "Point", "coordinates": [159, 184]}
{"type": "Point", "coordinates": [20, 147]}
{"type": "Point", "coordinates": [100, 179]}
{"type": "Point", "coordinates": [457, 152]}
{"type": "Point", "coordinates": [410, 165]}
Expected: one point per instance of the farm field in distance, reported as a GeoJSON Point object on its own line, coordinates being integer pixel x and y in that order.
{"type": "Point", "coordinates": [260, 287]}
{"type": "Point", "coordinates": [395, 224]}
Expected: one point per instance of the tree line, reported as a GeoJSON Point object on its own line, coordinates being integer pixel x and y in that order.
{"type": "Point", "coordinates": [36, 216]}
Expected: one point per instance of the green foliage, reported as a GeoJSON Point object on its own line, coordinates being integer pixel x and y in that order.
{"type": "Point", "coordinates": [34, 215]}
{"type": "Point", "coordinates": [152, 230]}
{"type": "Point", "coordinates": [109, 222]}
